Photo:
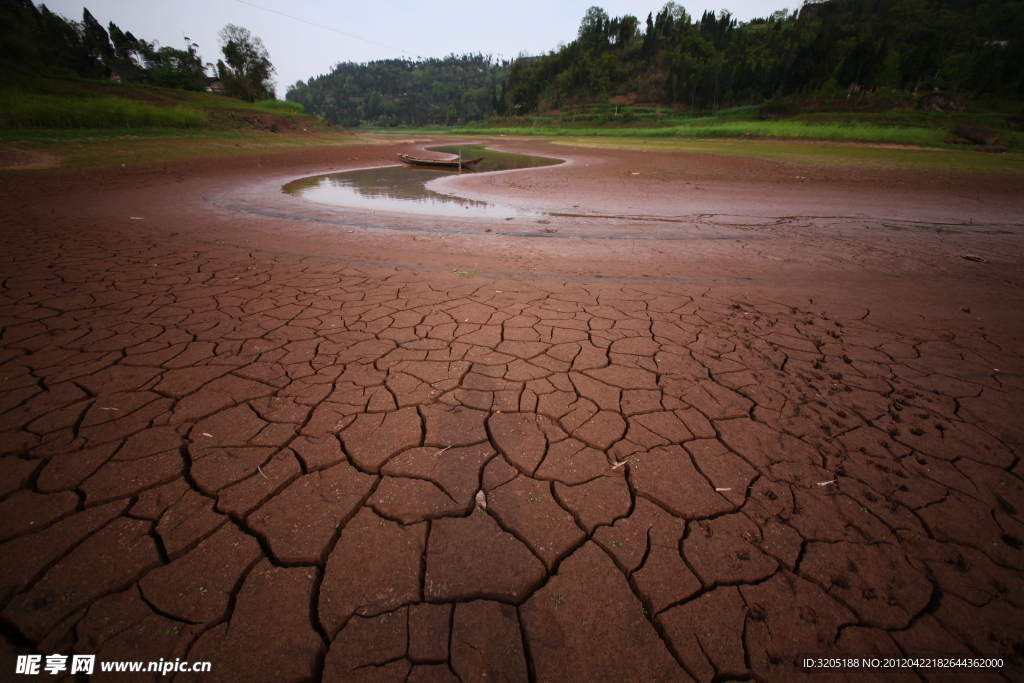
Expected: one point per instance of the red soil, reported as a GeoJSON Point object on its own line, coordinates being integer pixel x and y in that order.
{"type": "Point", "coordinates": [713, 417]}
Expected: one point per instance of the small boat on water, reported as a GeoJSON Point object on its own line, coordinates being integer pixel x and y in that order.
{"type": "Point", "coordinates": [441, 163]}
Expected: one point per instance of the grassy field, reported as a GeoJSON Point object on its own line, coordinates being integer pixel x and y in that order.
{"type": "Point", "coordinates": [810, 128]}
{"type": "Point", "coordinates": [833, 122]}
{"type": "Point", "coordinates": [29, 102]}
{"type": "Point", "coordinates": [793, 130]}
{"type": "Point", "coordinates": [85, 124]}
{"type": "Point", "coordinates": [19, 109]}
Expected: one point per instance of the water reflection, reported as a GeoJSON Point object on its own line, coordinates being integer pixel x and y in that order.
{"type": "Point", "coordinates": [495, 161]}
{"type": "Point", "coordinates": [403, 188]}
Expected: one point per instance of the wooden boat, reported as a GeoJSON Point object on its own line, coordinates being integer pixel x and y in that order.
{"type": "Point", "coordinates": [441, 163]}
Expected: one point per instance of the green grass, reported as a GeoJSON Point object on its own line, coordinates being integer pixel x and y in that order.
{"type": "Point", "coordinates": [30, 110]}
{"type": "Point", "coordinates": [860, 133]}
{"type": "Point", "coordinates": [796, 130]}
{"type": "Point", "coordinates": [30, 102]}
{"type": "Point", "coordinates": [837, 131]}
{"type": "Point", "coordinates": [280, 106]}
{"type": "Point", "coordinates": [803, 119]}
{"type": "Point", "coordinates": [833, 120]}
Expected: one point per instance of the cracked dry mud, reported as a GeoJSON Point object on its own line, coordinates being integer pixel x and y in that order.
{"type": "Point", "coordinates": [274, 462]}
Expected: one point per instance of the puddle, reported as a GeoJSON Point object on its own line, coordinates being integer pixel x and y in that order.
{"type": "Point", "coordinates": [402, 189]}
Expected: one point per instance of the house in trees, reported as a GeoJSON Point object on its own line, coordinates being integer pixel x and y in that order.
{"type": "Point", "coordinates": [214, 85]}
{"type": "Point", "coordinates": [126, 73]}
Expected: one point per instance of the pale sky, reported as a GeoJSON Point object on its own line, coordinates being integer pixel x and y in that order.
{"type": "Point", "coordinates": [427, 28]}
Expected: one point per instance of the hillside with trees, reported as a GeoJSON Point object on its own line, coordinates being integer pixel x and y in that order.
{"type": "Point", "coordinates": [824, 50]}
{"type": "Point", "coordinates": [394, 92]}
{"type": "Point", "coordinates": [976, 47]}
{"type": "Point", "coordinates": [35, 39]}
{"type": "Point", "coordinates": [700, 65]}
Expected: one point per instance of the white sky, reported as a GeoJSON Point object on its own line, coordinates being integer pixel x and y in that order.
{"type": "Point", "coordinates": [426, 28]}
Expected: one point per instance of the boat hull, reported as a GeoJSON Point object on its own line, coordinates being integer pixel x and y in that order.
{"type": "Point", "coordinates": [439, 163]}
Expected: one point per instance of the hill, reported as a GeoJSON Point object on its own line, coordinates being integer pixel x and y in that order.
{"type": "Point", "coordinates": [395, 92]}
{"type": "Point", "coordinates": [826, 48]}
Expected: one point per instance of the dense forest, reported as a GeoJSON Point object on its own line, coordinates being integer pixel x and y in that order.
{"type": "Point", "coordinates": [973, 46]}
{"type": "Point", "coordinates": [393, 92]}
{"type": "Point", "coordinates": [36, 39]}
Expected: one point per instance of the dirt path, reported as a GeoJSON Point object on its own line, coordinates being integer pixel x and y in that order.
{"type": "Point", "coordinates": [671, 434]}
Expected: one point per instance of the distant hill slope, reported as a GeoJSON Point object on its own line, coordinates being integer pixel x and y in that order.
{"type": "Point", "coordinates": [393, 92]}
{"type": "Point", "coordinates": [973, 46]}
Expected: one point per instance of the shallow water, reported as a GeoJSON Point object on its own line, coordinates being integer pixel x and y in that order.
{"type": "Point", "coordinates": [402, 189]}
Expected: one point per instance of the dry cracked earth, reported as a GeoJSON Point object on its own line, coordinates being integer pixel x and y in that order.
{"type": "Point", "coordinates": [303, 470]}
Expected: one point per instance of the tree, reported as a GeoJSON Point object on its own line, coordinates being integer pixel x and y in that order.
{"type": "Point", "coordinates": [247, 72]}
{"type": "Point", "coordinates": [406, 92]}
{"type": "Point", "coordinates": [126, 46]}
{"type": "Point", "coordinates": [173, 68]}
{"type": "Point", "coordinates": [677, 12]}
{"type": "Point", "coordinates": [97, 42]}
{"type": "Point", "coordinates": [593, 22]}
